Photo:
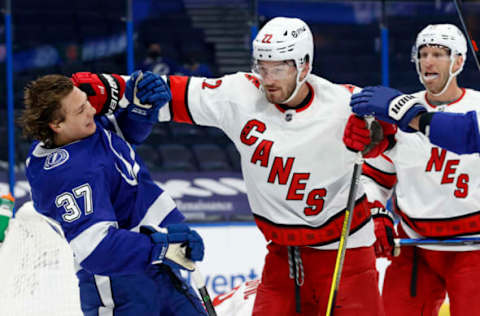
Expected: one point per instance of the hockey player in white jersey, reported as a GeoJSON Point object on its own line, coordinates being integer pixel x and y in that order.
{"type": "Point", "coordinates": [437, 126]}
{"type": "Point", "coordinates": [437, 192]}
{"type": "Point", "coordinates": [84, 174]}
{"type": "Point", "coordinates": [237, 302]}
{"type": "Point", "coordinates": [288, 125]}
{"type": "Point", "coordinates": [410, 113]}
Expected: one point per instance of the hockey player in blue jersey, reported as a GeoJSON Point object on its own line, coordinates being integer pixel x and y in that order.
{"type": "Point", "coordinates": [85, 174]}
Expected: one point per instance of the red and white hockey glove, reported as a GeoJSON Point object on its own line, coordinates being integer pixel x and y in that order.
{"type": "Point", "coordinates": [371, 142]}
{"type": "Point", "coordinates": [384, 230]}
{"type": "Point", "coordinates": [104, 91]}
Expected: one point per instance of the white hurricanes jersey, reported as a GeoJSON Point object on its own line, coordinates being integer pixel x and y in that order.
{"type": "Point", "coordinates": [237, 302]}
{"type": "Point", "coordinates": [437, 192]}
{"type": "Point", "coordinates": [295, 165]}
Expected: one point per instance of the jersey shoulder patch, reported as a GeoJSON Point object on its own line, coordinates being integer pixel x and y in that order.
{"type": "Point", "coordinates": [350, 87]}
{"type": "Point", "coordinates": [56, 158]}
{"type": "Point", "coordinates": [52, 157]}
{"type": "Point", "coordinates": [254, 80]}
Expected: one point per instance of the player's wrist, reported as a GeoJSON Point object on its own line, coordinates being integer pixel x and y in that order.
{"type": "Point", "coordinates": [424, 120]}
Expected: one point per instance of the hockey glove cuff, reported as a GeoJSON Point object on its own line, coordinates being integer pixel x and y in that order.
{"type": "Point", "coordinates": [384, 230]}
{"type": "Point", "coordinates": [176, 245]}
{"type": "Point", "coordinates": [370, 141]}
{"type": "Point", "coordinates": [147, 93]}
{"type": "Point", "coordinates": [104, 91]}
{"type": "Point", "coordinates": [388, 105]}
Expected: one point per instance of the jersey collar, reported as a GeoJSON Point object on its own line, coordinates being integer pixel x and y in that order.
{"type": "Point", "coordinates": [447, 104]}
{"type": "Point", "coordinates": [41, 151]}
{"type": "Point", "coordinates": [302, 106]}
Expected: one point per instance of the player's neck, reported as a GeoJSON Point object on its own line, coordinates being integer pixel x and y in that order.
{"type": "Point", "coordinates": [453, 93]}
{"type": "Point", "coordinates": [59, 141]}
{"type": "Point", "coordinates": [301, 95]}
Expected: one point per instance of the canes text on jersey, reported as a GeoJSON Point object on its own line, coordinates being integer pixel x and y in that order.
{"type": "Point", "coordinates": [281, 170]}
{"type": "Point", "coordinates": [437, 161]}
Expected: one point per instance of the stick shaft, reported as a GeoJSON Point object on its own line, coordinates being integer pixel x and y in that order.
{"type": "Point", "coordinates": [199, 282]}
{"type": "Point", "coordinates": [467, 34]}
{"type": "Point", "coordinates": [207, 301]}
{"type": "Point", "coordinates": [357, 169]}
{"type": "Point", "coordinates": [444, 242]}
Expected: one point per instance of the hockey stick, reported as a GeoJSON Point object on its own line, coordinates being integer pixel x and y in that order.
{"type": "Point", "coordinates": [357, 170]}
{"type": "Point", "coordinates": [471, 42]}
{"type": "Point", "coordinates": [176, 253]}
{"type": "Point", "coordinates": [199, 281]}
{"type": "Point", "coordinates": [337, 272]}
{"type": "Point", "coordinates": [400, 242]}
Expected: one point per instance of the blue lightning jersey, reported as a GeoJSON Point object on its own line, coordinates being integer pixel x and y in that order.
{"type": "Point", "coordinates": [100, 192]}
{"type": "Point", "coordinates": [465, 139]}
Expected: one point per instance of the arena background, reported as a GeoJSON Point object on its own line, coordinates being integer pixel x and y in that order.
{"type": "Point", "coordinates": [356, 42]}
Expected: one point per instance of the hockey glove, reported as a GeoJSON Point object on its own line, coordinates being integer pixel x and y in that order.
{"type": "Point", "coordinates": [384, 230]}
{"type": "Point", "coordinates": [104, 91]}
{"type": "Point", "coordinates": [388, 105]}
{"type": "Point", "coordinates": [176, 245]}
{"type": "Point", "coordinates": [6, 208]}
{"type": "Point", "coordinates": [371, 142]}
{"type": "Point", "coordinates": [147, 94]}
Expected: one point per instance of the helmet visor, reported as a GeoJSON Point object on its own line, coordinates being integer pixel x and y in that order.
{"type": "Point", "coordinates": [273, 70]}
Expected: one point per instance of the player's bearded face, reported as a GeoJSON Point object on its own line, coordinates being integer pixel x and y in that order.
{"type": "Point", "coordinates": [78, 119]}
{"type": "Point", "coordinates": [434, 67]}
{"type": "Point", "coordinates": [278, 79]}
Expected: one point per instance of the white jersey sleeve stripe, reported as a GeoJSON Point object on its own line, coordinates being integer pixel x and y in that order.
{"type": "Point", "coordinates": [155, 214]}
{"type": "Point", "coordinates": [86, 242]}
{"type": "Point", "coordinates": [105, 292]}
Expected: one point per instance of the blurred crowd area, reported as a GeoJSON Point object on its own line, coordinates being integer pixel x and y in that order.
{"type": "Point", "coordinates": [211, 38]}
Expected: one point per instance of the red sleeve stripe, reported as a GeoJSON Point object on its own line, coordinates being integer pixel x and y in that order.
{"type": "Point", "coordinates": [179, 105]}
{"type": "Point", "coordinates": [386, 158]}
{"type": "Point", "coordinates": [385, 179]}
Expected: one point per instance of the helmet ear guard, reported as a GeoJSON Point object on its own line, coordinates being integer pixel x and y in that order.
{"type": "Point", "coordinates": [446, 35]}
{"type": "Point", "coordinates": [283, 39]}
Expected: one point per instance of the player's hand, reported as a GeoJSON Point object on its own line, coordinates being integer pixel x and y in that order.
{"type": "Point", "coordinates": [104, 91]}
{"type": "Point", "coordinates": [176, 245]}
{"type": "Point", "coordinates": [147, 93]}
{"type": "Point", "coordinates": [370, 141]}
{"type": "Point", "coordinates": [384, 230]}
{"type": "Point", "coordinates": [388, 105]}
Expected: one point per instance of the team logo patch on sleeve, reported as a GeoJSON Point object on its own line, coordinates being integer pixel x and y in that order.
{"type": "Point", "coordinates": [55, 159]}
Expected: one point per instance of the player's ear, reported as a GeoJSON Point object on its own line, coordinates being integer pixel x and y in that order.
{"type": "Point", "coordinates": [55, 125]}
{"type": "Point", "coordinates": [305, 70]}
{"type": "Point", "coordinates": [458, 63]}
